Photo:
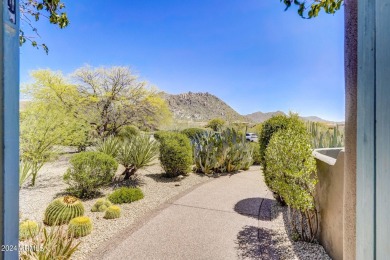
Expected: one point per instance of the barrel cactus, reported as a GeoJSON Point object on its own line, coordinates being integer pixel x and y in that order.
{"type": "Point", "coordinates": [62, 210]}
{"type": "Point", "coordinates": [80, 227]}
{"type": "Point", "coordinates": [113, 212]}
{"type": "Point", "coordinates": [101, 205]}
{"type": "Point", "coordinates": [28, 229]}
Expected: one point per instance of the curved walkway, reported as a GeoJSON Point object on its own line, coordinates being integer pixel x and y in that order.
{"type": "Point", "coordinates": [226, 218]}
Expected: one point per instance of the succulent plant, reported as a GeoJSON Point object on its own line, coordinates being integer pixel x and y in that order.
{"type": "Point", "coordinates": [28, 229]}
{"type": "Point", "coordinates": [80, 227]}
{"type": "Point", "coordinates": [113, 212]}
{"type": "Point", "coordinates": [62, 210]}
{"type": "Point", "coordinates": [101, 205]}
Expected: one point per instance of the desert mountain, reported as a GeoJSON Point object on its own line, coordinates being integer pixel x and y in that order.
{"type": "Point", "coordinates": [205, 106]}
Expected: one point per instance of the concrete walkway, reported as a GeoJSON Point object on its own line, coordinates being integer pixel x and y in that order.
{"type": "Point", "coordinates": [225, 218]}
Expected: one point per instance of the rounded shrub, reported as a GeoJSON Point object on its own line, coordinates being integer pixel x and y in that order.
{"type": "Point", "coordinates": [62, 210]}
{"type": "Point", "coordinates": [128, 132]}
{"type": "Point", "coordinates": [88, 172]}
{"type": "Point", "coordinates": [192, 133]}
{"type": "Point", "coordinates": [112, 212]}
{"type": "Point", "coordinates": [159, 135]}
{"type": "Point", "coordinates": [80, 227]}
{"type": "Point", "coordinates": [101, 205]}
{"type": "Point", "coordinates": [291, 173]}
{"type": "Point", "coordinates": [176, 154]}
{"type": "Point", "coordinates": [126, 195]}
{"type": "Point", "coordinates": [28, 229]}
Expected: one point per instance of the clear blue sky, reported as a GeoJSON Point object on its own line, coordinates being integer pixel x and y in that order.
{"type": "Point", "coordinates": [250, 53]}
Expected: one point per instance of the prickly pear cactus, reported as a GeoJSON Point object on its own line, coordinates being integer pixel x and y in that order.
{"type": "Point", "coordinates": [113, 212]}
{"type": "Point", "coordinates": [101, 205]}
{"type": "Point", "coordinates": [28, 229]}
{"type": "Point", "coordinates": [62, 210]}
{"type": "Point", "coordinates": [80, 227]}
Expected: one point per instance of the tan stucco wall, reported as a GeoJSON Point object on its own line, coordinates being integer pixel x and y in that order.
{"type": "Point", "coordinates": [329, 199]}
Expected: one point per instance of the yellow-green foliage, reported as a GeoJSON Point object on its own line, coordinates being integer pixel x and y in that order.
{"type": "Point", "coordinates": [80, 227]}
{"type": "Point", "coordinates": [216, 124]}
{"type": "Point", "coordinates": [101, 205]}
{"type": "Point", "coordinates": [126, 195]}
{"type": "Point", "coordinates": [62, 210]}
{"type": "Point", "coordinates": [112, 212]}
{"type": "Point", "coordinates": [256, 153]}
{"type": "Point", "coordinates": [28, 229]}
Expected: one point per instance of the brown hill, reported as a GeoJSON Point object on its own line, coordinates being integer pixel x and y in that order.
{"type": "Point", "coordinates": [200, 107]}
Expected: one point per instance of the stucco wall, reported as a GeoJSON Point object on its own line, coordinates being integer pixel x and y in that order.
{"type": "Point", "coordinates": [329, 199]}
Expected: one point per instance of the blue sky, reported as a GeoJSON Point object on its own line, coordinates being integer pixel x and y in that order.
{"type": "Point", "coordinates": [250, 53]}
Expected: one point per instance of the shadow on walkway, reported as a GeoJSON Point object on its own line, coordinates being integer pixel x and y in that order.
{"type": "Point", "coordinates": [258, 208]}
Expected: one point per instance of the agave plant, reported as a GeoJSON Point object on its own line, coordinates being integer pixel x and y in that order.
{"type": "Point", "coordinates": [136, 153]}
{"type": "Point", "coordinates": [25, 170]}
{"type": "Point", "coordinates": [109, 146]}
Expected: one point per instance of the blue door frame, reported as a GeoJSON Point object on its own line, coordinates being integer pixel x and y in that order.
{"type": "Point", "coordinates": [9, 128]}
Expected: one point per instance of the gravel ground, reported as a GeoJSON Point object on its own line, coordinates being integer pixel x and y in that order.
{"type": "Point", "coordinates": [157, 190]}
{"type": "Point", "coordinates": [284, 246]}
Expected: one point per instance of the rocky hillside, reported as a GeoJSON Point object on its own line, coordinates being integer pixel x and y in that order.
{"type": "Point", "coordinates": [200, 107]}
{"type": "Point", "coordinates": [259, 117]}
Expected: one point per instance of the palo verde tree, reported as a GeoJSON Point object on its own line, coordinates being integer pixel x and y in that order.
{"type": "Point", "coordinates": [310, 9]}
{"type": "Point", "coordinates": [32, 10]}
{"type": "Point", "coordinates": [115, 97]}
{"type": "Point", "coordinates": [216, 124]}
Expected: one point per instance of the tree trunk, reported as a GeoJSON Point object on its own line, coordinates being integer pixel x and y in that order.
{"type": "Point", "coordinates": [129, 171]}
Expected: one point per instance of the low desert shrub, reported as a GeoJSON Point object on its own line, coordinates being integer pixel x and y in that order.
{"type": "Point", "coordinates": [126, 195]}
{"type": "Point", "coordinates": [159, 135]}
{"type": "Point", "coordinates": [291, 173]}
{"type": "Point", "coordinates": [216, 124]}
{"type": "Point", "coordinates": [136, 153]}
{"type": "Point", "coordinates": [175, 154]}
{"type": "Point", "coordinates": [128, 131]}
{"type": "Point", "coordinates": [88, 172]}
{"type": "Point", "coordinates": [62, 210]}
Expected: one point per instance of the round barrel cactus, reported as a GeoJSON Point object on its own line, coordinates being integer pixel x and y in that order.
{"type": "Point", "coordinates": [28, 229]}
{"type": "Point", "coordinates": [80, 227]}
{"type": "Point", "coordinates": [62, 210]}
{"type": "Point", "coordinates": [101, 205]}
{"type": "Point", "coordinates": [112, 212]}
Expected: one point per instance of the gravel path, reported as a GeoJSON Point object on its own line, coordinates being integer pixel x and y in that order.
{"type": "Point", "coordinates": [157, 190]}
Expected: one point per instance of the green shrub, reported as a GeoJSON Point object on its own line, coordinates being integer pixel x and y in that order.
{"type": "Point", "coordinates": [216, 124]}
{"type": "Point", "coordinates": [176, 154]}
{"type": "Point", "coordinates": [62, 210]}
{"type": "Point", "coordinates": [126, 195]}
{"type": "Point", "coordinates": [291, 173]}
{"type": "Point", "coordinates": [192, 133]}
{"type": "Point", "coordinates": [112, 212]}
{"type": "Point", "coordinates": [256, 153]}
{"type": "Point", "coordinates": [159, 135]}
{"type": "Point", "coordinates": [137, 153]}
{"type": "Point", "coordinates": [101, 205]}
{"type": "Point", "coordinates": [109, 146]}
{"type": "Point", "coordinates": [50, 244]}
{"type": "Point", "coordinates": [80, 227]}
{"type": "Point", "coordinates": [88, 172]}
{"type": "Point", "coordinates": [28, 229]}
{"type": "Point", "coordinates": [128, 132]}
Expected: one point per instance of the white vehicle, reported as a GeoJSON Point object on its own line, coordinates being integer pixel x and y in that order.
{"type": "Point", "coordinates": [251, 137]}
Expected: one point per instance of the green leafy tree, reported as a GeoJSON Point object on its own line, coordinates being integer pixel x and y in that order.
{"type": "Point", "coordinates": [310, 9]}
{"type": "Point", "coordinates": [32, 10]}
{"type": "Point", "coordinates": [216, 124]}
{"type": "Point", "coordinates": [115, 98]}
